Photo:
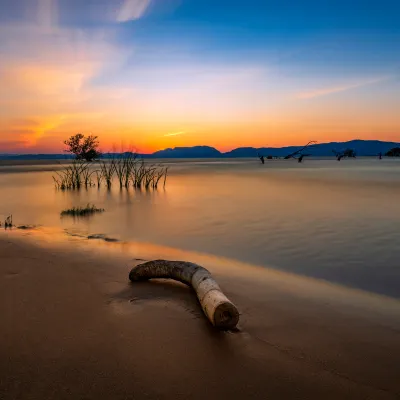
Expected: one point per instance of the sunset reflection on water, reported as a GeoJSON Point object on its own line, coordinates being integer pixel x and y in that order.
{"type": "Point", "coordinates": [323, 219]}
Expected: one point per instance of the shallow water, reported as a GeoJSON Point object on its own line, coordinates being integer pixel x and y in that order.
{"type": "Point", "coordinates": [329, 220]}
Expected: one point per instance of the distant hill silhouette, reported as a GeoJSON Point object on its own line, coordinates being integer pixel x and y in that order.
{"type": "Point", "coordinates": [361, 147]}
{"type": "Point", "coordinates": [188, 152]}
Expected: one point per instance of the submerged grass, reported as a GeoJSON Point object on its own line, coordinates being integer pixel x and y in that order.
{"type": "Point", "coordinates": [90, 209]}
{"type": "Point", "coordinates": [74, 176]}
{"type": "Point", "coordinates": [129, 170]}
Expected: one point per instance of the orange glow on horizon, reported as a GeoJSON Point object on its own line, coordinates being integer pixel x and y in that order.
{"type": "Point", "coordinates": [59, 80]}
{"type": "Point", "coordinates": [47, 135]}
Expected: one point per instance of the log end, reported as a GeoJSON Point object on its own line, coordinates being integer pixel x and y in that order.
{"type": "Point", "coordinates": [226, 316]}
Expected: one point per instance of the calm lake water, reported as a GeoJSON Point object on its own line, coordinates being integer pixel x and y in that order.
{"type": "Point", "coordinates": [338, 221]}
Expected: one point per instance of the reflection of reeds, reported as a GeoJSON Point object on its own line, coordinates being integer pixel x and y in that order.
{"type": "Point", "coordinates": [128, 169]}
{"type": "Point", "coordinates": [82, 211]}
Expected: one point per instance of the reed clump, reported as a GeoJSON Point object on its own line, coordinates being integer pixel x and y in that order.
{"type": "Point", "coordinates": [147, 176]}
{"type": "Point", "coordinates": [107, 170]}
{"type": "Point", "coordinates": [128, 169]}
{"type": "Point", "coordinates": [90, 209]}
{"type": "Point", "coordinates": [74, 176]}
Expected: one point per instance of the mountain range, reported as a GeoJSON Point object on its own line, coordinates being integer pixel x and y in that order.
{"type": "Point", "coordinates": [361, 147]}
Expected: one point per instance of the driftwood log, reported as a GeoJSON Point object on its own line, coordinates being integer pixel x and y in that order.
{"type": "Point", "coordinates": [221, 312]}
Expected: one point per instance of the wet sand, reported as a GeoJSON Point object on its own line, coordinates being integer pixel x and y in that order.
{"type": "Point", "coordinates": [321, 218]}
{"type": "Point", "coordinates": [73, 327]}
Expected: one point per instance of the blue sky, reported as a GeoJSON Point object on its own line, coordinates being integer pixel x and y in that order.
{"type": "Point", "coordinates": [257, 72]}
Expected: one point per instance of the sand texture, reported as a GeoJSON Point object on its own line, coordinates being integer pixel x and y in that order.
{"type": "Point", "coordinates": [74, 327]}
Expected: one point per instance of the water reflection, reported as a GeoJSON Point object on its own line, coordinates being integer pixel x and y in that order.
{"type": "Point", "coordinates": [336, 221]}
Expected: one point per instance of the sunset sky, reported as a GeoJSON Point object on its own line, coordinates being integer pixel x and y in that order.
{"type": "Point", "coordinates": [152, 74]}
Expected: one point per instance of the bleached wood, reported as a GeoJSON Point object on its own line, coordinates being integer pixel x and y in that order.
{"type": "Point", "coordinates": [221, 312]}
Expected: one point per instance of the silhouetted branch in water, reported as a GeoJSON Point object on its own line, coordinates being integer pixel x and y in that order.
{"type": "Point", "coordinates": [395, 152]}
{"type": "Point", "coordinates": [292, 155]}
{"type": "Point", "coordinates": [8, 223]}
{"type": "Point", "coordinates": [344, 154]}
{"type": "Point", "coordinates": [300, 159]}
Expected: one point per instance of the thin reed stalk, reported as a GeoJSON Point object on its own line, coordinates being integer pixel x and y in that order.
{"type": "Point", "coordinates": [108, 170]}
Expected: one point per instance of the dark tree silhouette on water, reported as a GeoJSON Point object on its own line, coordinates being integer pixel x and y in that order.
{"type": "Point", "coordinates": [348, 153]}
{"type": "Point", "coordinates": [395, 152]}
{"type": "Point", "coordinates": [84, 148]}
{"type": "Point", "coordinates": [294, 154]}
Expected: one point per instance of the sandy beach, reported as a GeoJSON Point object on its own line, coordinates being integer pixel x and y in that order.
{"type": "Point", "coordinates": [74, 327]}
{"type": "Point", "coordinates": [250, 150]}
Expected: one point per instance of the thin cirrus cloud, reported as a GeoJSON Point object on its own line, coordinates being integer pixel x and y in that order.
{"type": "Point", "coordinates": [343, 88]}
{"type": "Point", "coordinates": [47, 73]}
{"type": "Point", "coordinates": [132, 10]}
{"type": "Point", "coordinates": [47, 13]}
{"type": "Point", "coordinates": [175, 134]}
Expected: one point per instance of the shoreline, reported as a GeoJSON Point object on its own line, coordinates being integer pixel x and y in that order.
{"type": "Point", "coordinates": [74, 327]}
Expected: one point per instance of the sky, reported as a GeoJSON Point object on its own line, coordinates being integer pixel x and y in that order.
{"type": "Point", "coordinates": [152, 74]}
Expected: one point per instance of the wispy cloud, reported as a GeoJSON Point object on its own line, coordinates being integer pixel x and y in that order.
{"type": "Point", "coordinates": [47, 73]}
{"type": "Point", "coordinates": [132, 10]}
{"type": "Point", "coordinates": [175, 134]}
{"type": "Point", "coordinates": [47, 13]}
{"type": "Point", "coordinates": [336, 89]}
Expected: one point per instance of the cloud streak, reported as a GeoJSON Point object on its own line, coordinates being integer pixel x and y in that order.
{"type": "Point", "coordinates": [47, 13]}
{"type": "Point", "coordinates": [337, 89]}
{"type": "Point", "coordinates": [175, 134]}
{"type": "Point", "coordinates": [47, 73]}
{"type": "Point", "coordinates": [132, 10]}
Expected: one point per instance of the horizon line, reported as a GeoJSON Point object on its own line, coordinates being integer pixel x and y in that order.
{"type": "Point", "coordinates": [66, 155]}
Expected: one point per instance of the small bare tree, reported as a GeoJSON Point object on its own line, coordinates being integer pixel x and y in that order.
{"type": "Point", "coordinates": [84, 148]}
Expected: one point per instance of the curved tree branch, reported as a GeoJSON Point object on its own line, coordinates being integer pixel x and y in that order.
{"type": "Point", "coordinates": [292, 155]}
{"type": "Point", "coordinates": [221, 312]}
